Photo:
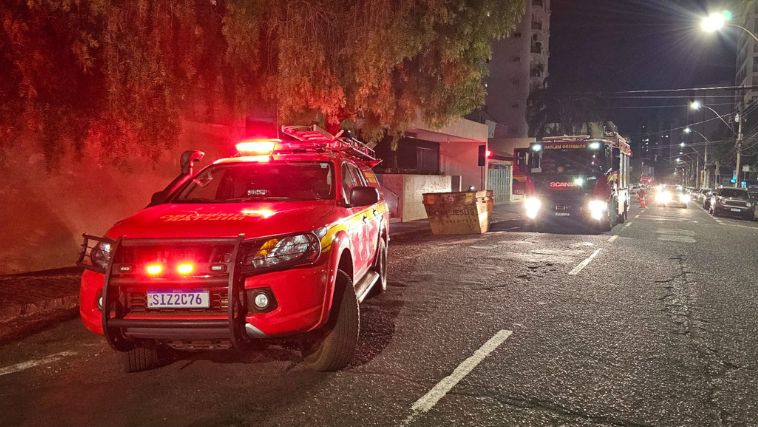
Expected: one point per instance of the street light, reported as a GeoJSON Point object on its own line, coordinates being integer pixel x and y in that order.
{"type": "Point", "coordinates": [716, 21]}
{"type": "Point", "coordinates": [697, 105]}
{"type": "Point", "coordinates": [681, 145]}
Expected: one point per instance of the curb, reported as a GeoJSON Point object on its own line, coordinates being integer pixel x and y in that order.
{"type": "Point", "coordinates": [15, 313]}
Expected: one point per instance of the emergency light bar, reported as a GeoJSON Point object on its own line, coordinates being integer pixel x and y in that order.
{"type": "Point", "coordinates": [257, 147]}
{"type": "Point", "coordinates": [306, 138]}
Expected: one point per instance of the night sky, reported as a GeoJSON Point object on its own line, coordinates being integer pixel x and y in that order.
{"type": "Point", "coordinates": [613, 45]}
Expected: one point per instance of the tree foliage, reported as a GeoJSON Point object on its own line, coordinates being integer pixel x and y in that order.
{"type": "Point", "coordinates": [121, 73]}
{"type": "Point", "coordinates": [567, 110]}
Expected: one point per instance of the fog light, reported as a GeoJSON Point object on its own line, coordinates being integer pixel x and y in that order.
{"type": "Point", "coordinates": [261, 301]}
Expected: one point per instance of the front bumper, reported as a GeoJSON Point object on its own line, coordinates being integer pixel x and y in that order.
{"type": "Point", "coordinates": [741, 211]}
{"type": "Point", "coordinates": [299, 293]}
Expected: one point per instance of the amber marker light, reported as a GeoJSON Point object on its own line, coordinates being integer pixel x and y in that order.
{"type": "Point", "coordinates": [185, 268]}
{"type": "Point", "coordinates": [154, 269]}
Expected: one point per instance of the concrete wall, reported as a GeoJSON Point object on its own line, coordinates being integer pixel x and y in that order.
{"type": "Point", "coordinates": [43, 213]}
{"type": "Point", "coordinates": [505, 146]}
{"type": "Point", "coordinates": [461, 158]}
{"type": "Point", "coordinates": [407, 191]}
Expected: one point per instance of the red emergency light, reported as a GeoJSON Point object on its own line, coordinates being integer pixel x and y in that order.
{"type": "Point", "coordinates": [257, 147]}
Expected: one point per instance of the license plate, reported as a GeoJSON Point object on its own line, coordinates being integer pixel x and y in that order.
{"type": "Point", "coordinates": [178, 299]}
{"type": "Point", "coordinates": [736, 210]}
{"type": "Point", "coordinates": [562, 214]}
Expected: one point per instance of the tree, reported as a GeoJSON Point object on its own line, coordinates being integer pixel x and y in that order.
{"type": "Point", "coordinates": [120, 74]}
{"type": "Point", "coordinates": [567, 110]}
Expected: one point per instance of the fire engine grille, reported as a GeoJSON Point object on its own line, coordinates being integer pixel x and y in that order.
{"type": "Point", "coordinates": [136, 302]}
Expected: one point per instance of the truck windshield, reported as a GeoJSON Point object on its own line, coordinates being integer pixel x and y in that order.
{"type": "Point", "coordinates": [572, 162]}
{"type": "Point", "coordinates": [243, 182]}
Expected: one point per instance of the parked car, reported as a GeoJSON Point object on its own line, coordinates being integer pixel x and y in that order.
{"type": "Point", "coordinates": [284, 239]}
{"type": "Point", "coordinates": [732, 202]}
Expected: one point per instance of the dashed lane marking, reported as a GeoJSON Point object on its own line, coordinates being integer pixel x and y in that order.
{"type": "Point", "coordinates": [18, 367]}
{"type": "Point", "coordinates": [583, 264]}
{"type": "Point", "coordinates": [636, 216]}
{"type": "Point", "coordinates": [613, 238]}
{"type": "Point", "coordinates": [439, 391]}
{"type": "Point", "coordinates": [627, 224]}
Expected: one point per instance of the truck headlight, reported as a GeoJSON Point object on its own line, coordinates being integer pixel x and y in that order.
{"type": "Point", "coordinates": [286, 251]}
{"type": "Point", "coordinates": [597, 209]}
{"type": "Point", "coordinates": [532, 206]}
{"type": "Point", "coordinates": [101, 255]}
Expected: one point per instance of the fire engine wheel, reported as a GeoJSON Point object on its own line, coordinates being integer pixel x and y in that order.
{"type": "Point", "coordinates": [335, 344]}
{"type": "Point", "coordinates": [380, 266]}
{"type": "Point", "coordinates": [140, 358]}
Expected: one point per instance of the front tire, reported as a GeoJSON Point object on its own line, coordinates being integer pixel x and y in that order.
{"type": "Point", "coordinates": [140, 358]}
{"type": "Point", "coordinates": [380, 266]}
{"type": "Point", "coordinates": [336, 342]}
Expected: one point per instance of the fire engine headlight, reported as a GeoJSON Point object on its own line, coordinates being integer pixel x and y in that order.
{"type": "Point", "coordinates": [101, 255]}
{"type": "Point", "coordinates": [598, 209]}
{"type": "Point", "coordinates": [286, 251]}
{"type": "Point", "coordinates": [532, 206]}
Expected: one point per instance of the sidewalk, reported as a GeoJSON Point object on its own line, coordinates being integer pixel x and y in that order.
{"type": "Point", "coordinates": [501, 213]}
{"type": "Point", "coordinates": [31, 300]}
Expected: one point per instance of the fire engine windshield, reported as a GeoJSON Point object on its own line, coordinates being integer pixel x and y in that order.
{"type": "Point", "coordinates": [573, 162]}
{"type": "Point", "coordinates": [244, 182]}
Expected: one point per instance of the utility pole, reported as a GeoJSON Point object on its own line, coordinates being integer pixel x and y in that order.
{"type": "Point", "coordinates": [740, 119]}
{"type": "Point", "coordinates": [705, 167]}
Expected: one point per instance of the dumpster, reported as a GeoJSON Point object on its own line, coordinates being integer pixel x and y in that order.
{"type": "Point", "coordinates": [466, 212]}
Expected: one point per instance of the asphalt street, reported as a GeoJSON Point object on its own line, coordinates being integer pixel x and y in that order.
{"type": "Point", "coordinates": [653, 323]}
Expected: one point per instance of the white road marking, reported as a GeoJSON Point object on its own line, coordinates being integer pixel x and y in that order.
{"type": "Point", "coordinates": [18, 367]}
{"type": "Point", "coordinates": [627, 224]}
{"type": "Point", "coordinates": [583, 264]}
{"type": "Point", "coordinates": [636, 216]}
{"type": "Point", "coordinates": [439, 391]}
{"type": "Point", "coordinates": [614, 237]}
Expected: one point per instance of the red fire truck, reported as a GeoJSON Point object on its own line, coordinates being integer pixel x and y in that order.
{"type": "Point", "coordinates": [578, 178]}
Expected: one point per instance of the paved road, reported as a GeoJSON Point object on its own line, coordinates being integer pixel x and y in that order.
{"type": "Point", "coordinates": [651, 324]}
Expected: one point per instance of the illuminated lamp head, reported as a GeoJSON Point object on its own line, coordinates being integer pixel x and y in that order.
{"type": "Point", "coordinates": [537, 147]}
{"type": "Point", "coordinates": [185, 268]}
{"type": "Point", "coordinates": [154, 269]}
{"type": "Point", "coordinates": [257, 147]}
{"type": "Point", "coordinates": [594, 145]}
{"type": "Point", "coordinates": [263, 213]}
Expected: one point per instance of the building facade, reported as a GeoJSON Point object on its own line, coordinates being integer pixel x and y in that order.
{"type": "Point", "coordinates": [747, 51]}
{"type": "Point", "coordinates": [519, 65]}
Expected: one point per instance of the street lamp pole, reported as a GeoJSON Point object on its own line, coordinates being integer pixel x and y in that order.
{"type": "Point", "coordinates": [707, 178]}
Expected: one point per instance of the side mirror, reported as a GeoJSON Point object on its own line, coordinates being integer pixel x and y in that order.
{"type": "Point", "coordinates": [363, 196]}
{"type": "Point", "coordinates": [188, 159]}
{"type": "Point", "coordinates": [616, 162]}
{"type": "Point", "coordinates": [157, 198]}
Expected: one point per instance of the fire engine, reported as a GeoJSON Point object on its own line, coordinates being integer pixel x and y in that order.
{"type": "Point", "coordinates": [284, 239]}
{"type": "Point", "coordinates": [578, 178]}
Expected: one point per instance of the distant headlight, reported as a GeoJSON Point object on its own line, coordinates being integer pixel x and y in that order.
{"type": "Point", "coordinates": [663, 197]}
{"type": "Point", "coordinates": [532, 206]}
{"type": "Point", "coordinates": [597, 209]}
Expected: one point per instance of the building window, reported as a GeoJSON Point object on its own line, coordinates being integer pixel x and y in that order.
{"type": "Point", "coordinates": [515, 59]}
{"type": "Point", "coordinates": [536, 2]}
{"type": "Point", "coordinates": [537, 47]}
{"type": "Point", "coordinates": [516, 35]}
{"type": "Point", "coordinates": [515, 105]}
{"type": "Point", "coordinates": [537, 25]}
{"type": "Point", "coordinates": [515, 82]}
